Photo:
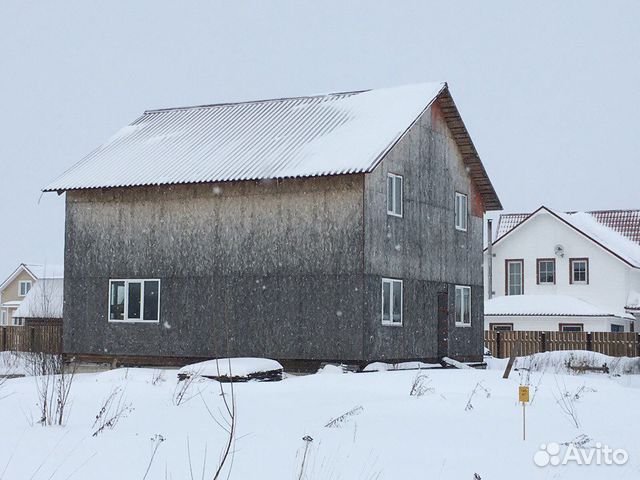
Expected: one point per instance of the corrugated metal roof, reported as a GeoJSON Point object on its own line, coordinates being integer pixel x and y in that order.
{"type": "Point", "coordinates": [290, 137]}
{"type": "Point", "coordinates": [625, 222]}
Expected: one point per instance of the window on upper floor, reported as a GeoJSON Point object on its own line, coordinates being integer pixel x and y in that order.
{"type": "Point", "coordinates": [134, 300]}
{"type": "Point", "coordinates": [462, 212]}
{"type": "Point", "coordinates": [391, 301]}
{"type": "Point", "coordinates": [546, 271]}
{"type": "Point", "coordinates": [579, 271]}
{"type": "Point", "coordinates": [514, 281]}
{"type": "Point", "coordinates": [394, 195]}
{"type": "Point", "coordinates": [23, 287]}
{"type": "Point", "coordinates": [463, 306]}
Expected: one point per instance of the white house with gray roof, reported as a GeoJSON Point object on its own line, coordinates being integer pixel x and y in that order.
{"type": "Point", "coordinates": [554, 271]}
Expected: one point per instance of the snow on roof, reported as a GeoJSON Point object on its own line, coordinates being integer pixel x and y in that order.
{"type": "Point", "coordinates": [546, 305]}
{"type": "Point", "coordinates": [586, 223]}
{"type": "Point", "coordinates": [625, 222]}
{"type": "Point", "coordinates": [12, 303]}
{"type": "Point", "coordinates": [45, 271]}
{"type": "Point", "coordinates": [35, 271]}
{"type": "Point", "coordinates": [44, 300]}
{"type": "Point", "coordinates": [633, 300]}
{"type": "Point", "coordinates": [321, 135]}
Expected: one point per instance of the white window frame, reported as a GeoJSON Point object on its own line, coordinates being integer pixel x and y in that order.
{"type": "Point", "coordinates": [17, 322]}
{"type": "Point", "coordinates": [464, 322]}
{"type": "Point", "coordinates": [393, 209]}
{"type": "Point", "coordinates": [127, 281]}
{"type": "Point", "coordinates": [20, 285]}
{"type": "Point", "coordinates": [462, 221]}
{"type": "Point", "coordinates": [3, 318]}
{"type": "Point", "coordinates": [391, 282]}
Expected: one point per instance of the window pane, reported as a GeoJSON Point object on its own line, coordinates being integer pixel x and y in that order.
{"type": "Point", "coordinates": [466, 305]}
{"type": "Point", "coordinates": [390, 194]}
{"type": "Point", "coordinates": [458, 305]}
{"type": "Point", "coordinates": [134, 299]}
{"type": "Point", "coordinates": [151, 295]}
{"type": "Point", "coordinates": [386, 301]}
{"type": "Point", "coordinates": [463, 212]}
{"type": "Point", "coordinates": [397, 206]}
{"type": "Point", "coordinates": [514, 278]}
{"type": "Point", "coordinates": [397, 302]}
{"type": "Point", "coordinates": [116, 301]}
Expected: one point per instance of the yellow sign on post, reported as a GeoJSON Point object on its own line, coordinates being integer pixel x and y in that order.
{"type": "Point", "coordinates": [523, 397]}
{"type": "Point", "coordinates": [523, 394]}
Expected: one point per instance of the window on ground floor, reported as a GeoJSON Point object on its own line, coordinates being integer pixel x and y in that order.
{"type": "Point", "coordinates": [617, 328]}
{"type": "Point", "coordinates": [3, 317]}
{"type": "Point", "coordinates": [391, 301]}
{"type": "Point", "coordinates": [134, 300]}
{"type": "Point", "coordinates": [571, 327]}
{"type": "Point", "coordinates": [17, 322]}
{"type": "Point", "coordinates": [501, 327]}
{"type": "Point", "coordinates": [463, 305]}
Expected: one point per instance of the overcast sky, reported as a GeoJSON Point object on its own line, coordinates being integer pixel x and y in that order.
{"type": "Point", "coordinates": [550, 91]}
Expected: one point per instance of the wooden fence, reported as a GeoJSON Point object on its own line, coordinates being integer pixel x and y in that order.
{"type": "Point", "coordinates": [501, 343]}
{"type": "Point", "coordinates": [32, 338]}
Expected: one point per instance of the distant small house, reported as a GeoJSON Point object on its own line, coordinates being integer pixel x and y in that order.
{"type": "Point", "coordinates": [15, 289]}
{"type": "Point", "coordinates": [577, 271]}
{"type": "Point", "coordinates": [341, 227]}
{"type": "Point", "coordinates": [43, 303]}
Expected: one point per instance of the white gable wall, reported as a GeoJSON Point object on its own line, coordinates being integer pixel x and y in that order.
{"type": "Point", "coordinates": [610, 280]}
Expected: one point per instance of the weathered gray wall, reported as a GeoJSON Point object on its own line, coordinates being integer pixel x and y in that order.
{"type": "Point", "coordinates": [423, 248]}
{"type": "Point", "coordinates": [274, 267]}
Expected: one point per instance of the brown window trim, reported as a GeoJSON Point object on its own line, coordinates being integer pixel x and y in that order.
{"type": "Point", "coordinates": [506, 274]}
{"type": "Point", "coordinates": [499, 324]}
{"type": "Point", "coordinates": [580, 259]}
{"type": "Point", "coordinates": [562, 325]}
{"type": "Point", "coordinates": [538, 260]}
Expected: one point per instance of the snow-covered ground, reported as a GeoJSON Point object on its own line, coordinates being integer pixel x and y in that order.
{"type": "Point", "coordinates": [445, 433]}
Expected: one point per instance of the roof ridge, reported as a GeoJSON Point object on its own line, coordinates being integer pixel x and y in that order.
{"type": "Point", "coordinates": [245, 102]}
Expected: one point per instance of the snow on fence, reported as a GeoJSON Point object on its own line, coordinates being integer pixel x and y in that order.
{"type": "Point", "coordinates": [36, 338]}
{"type": "Point", "coordinates": [501, 343]}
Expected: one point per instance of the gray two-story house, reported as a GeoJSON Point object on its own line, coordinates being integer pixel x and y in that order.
{"type": "Point", "coordinates": [343, 227]}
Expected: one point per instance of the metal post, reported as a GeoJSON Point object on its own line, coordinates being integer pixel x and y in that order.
{"type": "Point", "coordinates": [524, 428]}
{"type": "Point", "coordinates": [490, 257]}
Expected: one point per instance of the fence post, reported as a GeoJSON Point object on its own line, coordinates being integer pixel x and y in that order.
{"type": "Point", "coordinates": [589, 341]}
{"type": "Point", "coordinates": [543, 342]}
{"type": "Point", "coordinates": [4, 338]}
{"type": "Point", "coordinates": [498, 346]}
{"type": "Point", "coordinates": [32, 339]}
